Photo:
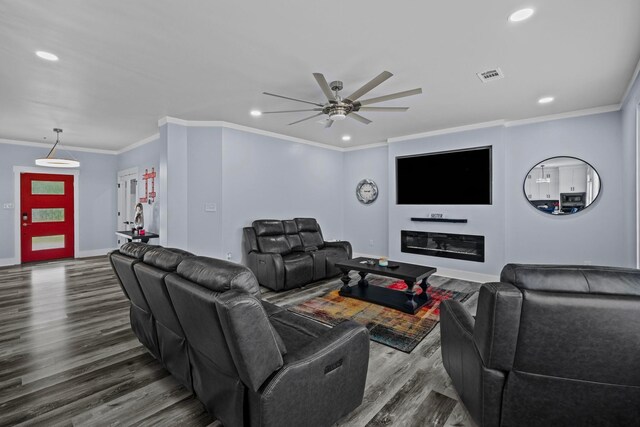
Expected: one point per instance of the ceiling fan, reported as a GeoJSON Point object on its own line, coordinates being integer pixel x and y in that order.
{"type": "Point", "coordinates": [339, 108]}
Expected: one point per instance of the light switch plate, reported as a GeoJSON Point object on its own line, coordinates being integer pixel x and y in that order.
{"type": "Point", "coordinates": [7, 206]}
{"type": "Point", "coordinates": [210, 207]}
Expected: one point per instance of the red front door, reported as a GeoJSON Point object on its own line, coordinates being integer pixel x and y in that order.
{"type": "Point", "coordinates": [46, 216]}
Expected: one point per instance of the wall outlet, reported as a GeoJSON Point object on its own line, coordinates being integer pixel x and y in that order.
{"type": "Point", "coordinates": [210, 207]}
{"type": "Point", "coordinates": [371, 242]}
{"type": "Point", "coordinates": [229, 256]}
{"type": "Point", "coordinates": [7, 206]}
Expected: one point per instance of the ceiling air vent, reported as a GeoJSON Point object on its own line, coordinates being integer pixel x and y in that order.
{"type": "Point", "coordinates": [490, 75]}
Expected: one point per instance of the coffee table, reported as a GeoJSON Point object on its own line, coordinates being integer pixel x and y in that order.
{"type": "Point", "coordinates": [406, 301]}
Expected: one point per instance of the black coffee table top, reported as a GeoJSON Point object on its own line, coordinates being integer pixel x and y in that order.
{"type": "Point", "coordinates": [409, 272]}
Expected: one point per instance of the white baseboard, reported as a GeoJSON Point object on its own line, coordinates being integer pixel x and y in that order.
{"type": "Point", "coordinates": [94, 252]}
{"type": "Point", "coordinates": [8, 261]}
{"type": "Point", "coordinates": [467, 275]}
{"type": "Point", "coordinates": [448, 272]}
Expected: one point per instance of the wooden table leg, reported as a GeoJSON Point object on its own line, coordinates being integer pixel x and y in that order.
{"type": "Point", "coordinates": [424, 285]}
{"type": "Point", "coordinates": [345, 289]}
{"type": "Point", "coordinates": [410, 295]}
{"type": "Point", "coordinates": [363, 282]}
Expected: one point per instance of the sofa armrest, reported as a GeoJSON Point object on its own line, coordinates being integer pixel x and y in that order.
{"type": "Point", "coordinates": [319, 383]}
{"type": "Point", "coordinates": [456, 342]}
{"type": "Point", "coordinates": [268, 268]}
{"type": "Point", "coordinates": [341, 244]}
{"type": "Point", "coordinates": [497, 324]}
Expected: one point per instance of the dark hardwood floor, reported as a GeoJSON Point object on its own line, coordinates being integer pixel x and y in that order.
{"type": "Point", "coordinates": [68, 357]}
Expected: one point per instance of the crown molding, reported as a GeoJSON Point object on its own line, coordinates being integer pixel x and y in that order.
{"type": "Point", "coordinates": [634, 77]}
{"type": "Point", "coordinates": [229, 125]}
{"type": "Point", "coordinates": [62, 146]}
{"type": "Point", "coordinates": [365, 147]}
{"type": "Point", "coordinates": [446, 131]}
{"type": "Point", "coordinates": [567, 115]}
{"type": "Point", "coordinates": [140, 143]}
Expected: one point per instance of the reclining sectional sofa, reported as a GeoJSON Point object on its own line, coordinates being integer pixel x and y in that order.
{"type": "Point", "coordinates": [291, 253]}
{"type": "Point", "coordinates": [249, 362]}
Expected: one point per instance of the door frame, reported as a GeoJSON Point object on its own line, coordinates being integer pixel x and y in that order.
{"type": "Point", "coordinates": [17, 170]}
{"type": "Point", "coordinates": [121, 174]}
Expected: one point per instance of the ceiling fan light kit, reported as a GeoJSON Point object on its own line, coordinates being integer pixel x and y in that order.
{"type": "Point", "coordinates": [51, 161]}
{"type": "Point", "coordinates": [338, 108]}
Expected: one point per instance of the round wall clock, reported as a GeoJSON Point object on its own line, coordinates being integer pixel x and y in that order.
{"type": "Point", "coordinates": [367, 191]}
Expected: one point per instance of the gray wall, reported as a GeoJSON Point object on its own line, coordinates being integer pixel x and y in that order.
{"type": "Point", "coordinates": [205, 187]}
{"type": "Point", "coordinates": [486, 220]}
{"type": "Point", "coordinates": [598, 235]}
{"type": "Point", "coordinates": [96, 192]}
{"type": "Point", "coordinates": [630, 156]}
{"type": "Point", "coordinates": [265, 177]}
{"type": "Point", "coordinates": [366, 223]}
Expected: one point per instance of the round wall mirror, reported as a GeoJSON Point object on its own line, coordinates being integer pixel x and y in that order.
{"type": "Point", "coordinates": [562, 186]}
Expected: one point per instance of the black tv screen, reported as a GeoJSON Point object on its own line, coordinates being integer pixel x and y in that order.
{"type": "Point", "coordinates": [461, 177]}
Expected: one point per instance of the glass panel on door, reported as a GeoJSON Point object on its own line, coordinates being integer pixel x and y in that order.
{"type": "Point", "coordinates": [47, 215]}
{"type": "Point", "coordinates": [47, 242]}
{"type": "Point", "coordinates": [47, 187]}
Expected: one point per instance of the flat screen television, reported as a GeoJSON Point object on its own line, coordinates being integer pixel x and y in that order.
{"type": "Point", "coordinates": [461, 177]}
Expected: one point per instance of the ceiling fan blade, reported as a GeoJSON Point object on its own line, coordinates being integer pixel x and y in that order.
{"type": "Point", "coordinates": [293, 99]}
{"type": "Point", "coordinates": [308, 118]}
{"type": "Point", "coordinates": [392, 96]}
{"type": "Point", "coordinates": [328, 124]}
{"type": "Point", "coordinates": [359, 118]}
{"type": "Point", "coordinates": [324, 86]}
{"type": "Point", "coordinates": [384, 109]}
{"type": "Point", "coordinates": [291, 111]}
{"type": "Point", "coordinates": [372, 84]}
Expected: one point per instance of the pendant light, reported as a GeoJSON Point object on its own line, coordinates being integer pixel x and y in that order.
{"type": "Point", "coordinates": [51, 161]}
{"type": "Point", "coordinates": [543, 179]}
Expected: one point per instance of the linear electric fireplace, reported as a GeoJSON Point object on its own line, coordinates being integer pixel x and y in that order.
{"type": "Point", "coordinates": [447, 245]}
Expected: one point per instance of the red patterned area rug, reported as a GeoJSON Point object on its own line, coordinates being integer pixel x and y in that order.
{"type": "Point", "coordinates": [387, 326]}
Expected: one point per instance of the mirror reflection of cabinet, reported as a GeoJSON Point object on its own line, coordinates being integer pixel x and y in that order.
{"type": "Point", "coordinates": [562, 185]}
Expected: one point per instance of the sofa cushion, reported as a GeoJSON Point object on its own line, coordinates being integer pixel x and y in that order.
{"type": "Point", "coordinates": [310, 233]}
{"type": "Point", "coordinates": [166, 259]}
{"type": "Point", "coordinates": [296, 331]}
{"type": "Point", "coordinates": [291, 231]}
{"type": "Point", "coordinates": [218, 275]}
{"type": "Point", "coordinates": [298, 269]}
{"type": "Point", "coordinates": [271, 236]}
{"type": "Point", "coordinates": [136, 249]}
{"type": "Point", "coordinates": [268, 227]}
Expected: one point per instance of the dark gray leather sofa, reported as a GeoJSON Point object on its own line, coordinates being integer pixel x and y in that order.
{"type": "Point", "coordinates": [549, 346]}
{"type": "Point", "coordinates": [249, 362]}
{"type": "Point", "coordinates": [291, 253]}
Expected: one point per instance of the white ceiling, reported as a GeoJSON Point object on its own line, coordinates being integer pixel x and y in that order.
{"type": "Point", "coordinates": [125, 64]}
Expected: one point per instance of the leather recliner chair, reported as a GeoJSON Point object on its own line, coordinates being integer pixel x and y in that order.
{"type": "Point", "coordinates": [549, 346]}
{"type": "Point", "coordinates": [252, 363]}
{"type": "Point", "coordinates": [172, 345]}
{"type": "Point", "coordinates": [291, 253]}
{"type": "Point", "coordinates": [123, 262]}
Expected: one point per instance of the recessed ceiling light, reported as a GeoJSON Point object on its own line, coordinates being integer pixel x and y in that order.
{"type": "Point", "coordinates": [256, 113]}
{"type": "Point", "coordinates": [521, 15]}
{"type": "Point", "coordinates": [546, 100]}
{"type": "Point", "coordinates": [47, 55]}
{"type": "Point", "coordinates": [346, 138]}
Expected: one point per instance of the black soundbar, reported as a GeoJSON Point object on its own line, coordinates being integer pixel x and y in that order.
{"type": "Point", "coordinates": [458, 220]}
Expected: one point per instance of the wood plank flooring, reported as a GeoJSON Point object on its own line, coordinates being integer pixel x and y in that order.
{"type": "Point", "coordinates": [68, 357]}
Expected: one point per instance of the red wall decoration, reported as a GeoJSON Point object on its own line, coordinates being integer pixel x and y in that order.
{"type": "Point", "coordinates": [149, 197]}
